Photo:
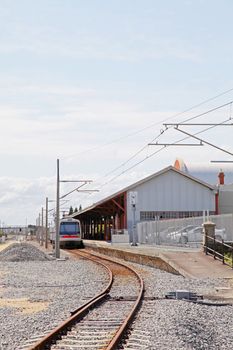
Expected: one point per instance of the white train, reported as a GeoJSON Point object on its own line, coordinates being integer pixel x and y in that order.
{"type": "Point", "coordinates": [70, 235]}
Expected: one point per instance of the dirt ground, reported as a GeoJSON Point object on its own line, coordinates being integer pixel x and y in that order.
{"type": "Point", "coordinates": [223, 293]}
{"type": "Point", "coordinates": [24, 305]}
{"type": "Point", "coordinates": [6, 244]}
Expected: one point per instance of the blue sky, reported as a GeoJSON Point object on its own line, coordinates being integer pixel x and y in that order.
{"type": "Point", "coordinates": [77, 75]}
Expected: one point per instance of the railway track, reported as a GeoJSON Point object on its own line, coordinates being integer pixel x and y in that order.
{"type": "Point", "coordinates": [102, 321]}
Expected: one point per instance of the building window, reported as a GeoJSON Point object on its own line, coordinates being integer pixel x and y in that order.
{"type": "Point", "coordinates": [152, 215]}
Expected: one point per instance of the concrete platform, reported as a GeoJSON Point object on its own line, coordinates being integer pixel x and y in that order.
{"type": "Point", "coordinates": [188, 262]}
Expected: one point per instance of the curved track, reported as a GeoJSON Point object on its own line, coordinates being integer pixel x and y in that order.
{"type": "Point", "coordinates": [102, 321]}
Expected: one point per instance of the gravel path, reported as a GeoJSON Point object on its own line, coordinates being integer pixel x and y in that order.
{"type": "Point", "coordinates": [63, 285]}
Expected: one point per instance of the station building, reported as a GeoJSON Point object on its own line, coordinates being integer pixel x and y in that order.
{"type": "Point", "coordinates": [169, 193]}
{"type": "Point", "coordinates": [222, 180]}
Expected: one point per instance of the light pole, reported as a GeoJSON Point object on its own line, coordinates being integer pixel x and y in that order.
{"type": "Point", "coordinates": [26, 228]}
{"type": "Point", "coordinates": [83, 182]}
{"type": "Point", "coordinates": [57, 240]}
{"type": "Point", "coordinates": [42, 226]}
{"type": "Point", "coordinates": [133, 202]}
{"type": "Point", "coordinates": [38, 231]}
{"type": "Point", "coordinates": [46, 222]}
{"type": "Point", "coordinates": [47, 201]}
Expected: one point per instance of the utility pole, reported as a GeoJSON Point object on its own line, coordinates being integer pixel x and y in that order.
{"type": "Point", "coordinates": [26, 229]}
{"type": "Point", "coordinates": [57, 240]}
{"type": "Point", "coordinates": [46, 223]}
{"type": "Point", "coordinates": [58, 198]}
{"type": "Point", "coordinates": [38, 236]}
{"type": "Point", "coordinates": [42, 226]}
{"type": "Point", "coordinates": [133, 202]}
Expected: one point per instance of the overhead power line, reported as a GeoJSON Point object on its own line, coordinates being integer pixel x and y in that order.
{"type": "Point", "coordinates": [204, 141]}
{"type": "Point", "coordinates": [133, 166]}
{"type": "Point", "coordinates": [151, 125]}
{"type": "Point", "coordinates": [161, 132]}
{"type": "Point", "coordinates": [207, 112]}
{"type": "Point", "coordinates": [162, 148]}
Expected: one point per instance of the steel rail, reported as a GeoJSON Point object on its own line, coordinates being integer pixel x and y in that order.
{"type": "Point", "coordinates": [80, 312]}
{"type": "Point", "coordinates": [118, 335]}
{"type": "Point", "coordinates": [76, 315]}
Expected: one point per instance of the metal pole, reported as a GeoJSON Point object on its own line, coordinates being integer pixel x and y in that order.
{"type": "Point", "coordinates": [157, 240]}
{"type": "Point", "coordinates": [26, 229]}
{"type": "Point", "coordinates": [134, 225]}
{"type": "Point", "coordinates": [39, 229]}
{"type": "Point", "coordinates": [46, 223]}
{"type": "Point", "coordinates": [57, 243]}
{"type": "Point", "coordinates": [201, 140]}
{"type": "Point", "coordinates": [42, 226]}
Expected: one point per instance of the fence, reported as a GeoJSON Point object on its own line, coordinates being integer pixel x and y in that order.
{"type": "Point", "coordinates": [186, 231]}
{"type": "Point", "coordinates": [219, 250]}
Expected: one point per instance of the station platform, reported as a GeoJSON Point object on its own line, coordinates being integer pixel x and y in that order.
{"type": "Point", "coordinates": [188, 262]}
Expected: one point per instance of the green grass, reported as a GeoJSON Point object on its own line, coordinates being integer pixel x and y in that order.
{"type": "Point", "coordinates": [228, 258]}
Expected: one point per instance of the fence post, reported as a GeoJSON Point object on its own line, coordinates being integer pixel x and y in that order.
{"type": "Point", "coordinates": [209, 236]}
{"type": "Point", "coordinates": [156, 230]}
{"type": "Point", "coordinates": [214, 249]}
{"type": "Point", "coordinates": [223, 257]}
{"type": "Point", "coordinates": [232, 256]}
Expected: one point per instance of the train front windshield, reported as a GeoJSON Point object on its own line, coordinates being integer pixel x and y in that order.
{"type": "Point", "coordinates": [69, 228]}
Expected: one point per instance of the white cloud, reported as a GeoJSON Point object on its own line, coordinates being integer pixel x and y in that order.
{"type": "Point", "coordinates": [121, 46]}
{"type": "Point", "coordinates": [7, 112]}
{"type": "Point", "coordinates": [21, 198]}
{"type": "Point", "coordinates": [70, 125]}
{"type": "Point", "coordinates": [14, 87]}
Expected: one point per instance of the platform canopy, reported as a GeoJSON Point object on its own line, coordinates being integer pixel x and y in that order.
{"type": "Point", "coordinates": [99, 219]}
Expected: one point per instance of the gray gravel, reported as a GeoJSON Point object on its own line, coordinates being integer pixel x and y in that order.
{"type": "Point", "coordinates": [65, 285]}
{"type": "Point", "coordinates": [180, 325]}
{"type": "Point", "coordinates": [161, 324]}
{"type": "Point", "coordinates": [23, 252]}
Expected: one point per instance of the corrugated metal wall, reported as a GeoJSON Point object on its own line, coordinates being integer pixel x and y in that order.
{"type": "Point", "coordinates": [170, 191]}
{"type": "Point", "coordinates": [226, 199]}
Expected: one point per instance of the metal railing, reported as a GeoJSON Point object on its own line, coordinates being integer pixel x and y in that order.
{"type": "Point", "coordinates": [219, 250]}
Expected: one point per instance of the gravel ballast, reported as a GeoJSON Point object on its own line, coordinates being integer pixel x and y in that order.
{"type": "Point", "coordinates": [23, 252]}
{"type": "Point", "coordinates": [61, 285]}
{"type": "Point", "coordinates": [64, 285]}
{"type": "Point", "coordinates": [178, 324]}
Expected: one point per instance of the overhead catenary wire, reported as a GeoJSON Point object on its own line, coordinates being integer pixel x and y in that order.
{"type": "Point", "coordinates": [147, 157]}
{"type": "Point", "coordinates": [230, 111]}
{"type": "Point", "coordinates": [134, 155]}
{"type": "Point", "coordinates": [133, 166]}
{"type": "Point", "coordinates": [207, 112]}
{"type": "Point", "coordinates": [128, 160]}
{"type": "Point", "coordinates": [149, 126]}
{"type": "Point", "coordinates": [162, 148]}
{"type": "Point", "coordinates": [158, 151]}
{"type": "Point", "coordinates": [204, 141]}
{"type": "Point", "coordinates": [161, 132]}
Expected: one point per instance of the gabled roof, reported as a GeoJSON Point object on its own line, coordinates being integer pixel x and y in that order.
{"type": "Point", "coordinates": [164, 171]}
{"type": "Point", "coordinates": [148, 178]}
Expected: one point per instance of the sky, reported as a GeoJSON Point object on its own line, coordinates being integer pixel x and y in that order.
{"type": "Point", "coordinates": [92, 82]}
